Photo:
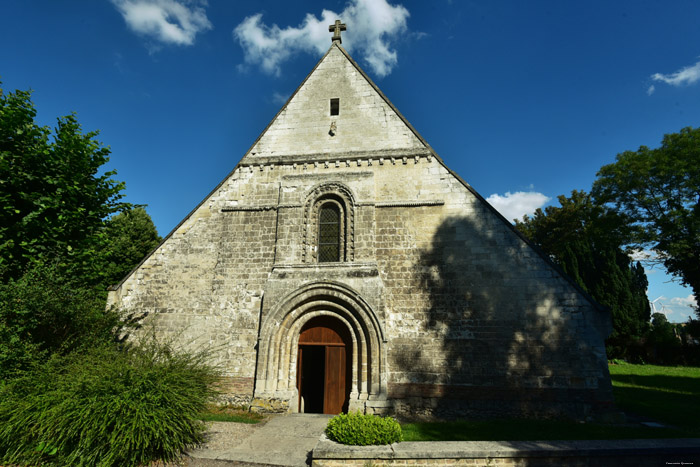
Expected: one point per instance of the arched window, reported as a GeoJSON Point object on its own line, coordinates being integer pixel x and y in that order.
{"type": "Point", "coordinates": [329, 233]}
{"type": "Point", "coordinates": [329, 224]}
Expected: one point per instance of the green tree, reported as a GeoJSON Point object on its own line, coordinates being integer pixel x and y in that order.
{"type": "Point", "coordinates": [64, 236]}
{"type": "Point", "coordinates": [53, 198]}
{"type": "Point", "coordinates": [658, 190]}
{"type": "Point", "coordinates": [44, 313]}
{"type": "Point", "coordinates": [662, 331]}
{"type": "Point", "coordinates": [586, 241]}
{"type": "Point", "coordinates": [692, 330]}
{"type": "Point", "coordinates": [130, 236]}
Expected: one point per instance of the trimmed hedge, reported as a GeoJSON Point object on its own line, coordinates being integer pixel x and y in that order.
{"type": "Point", "coordinates": [358, 429]}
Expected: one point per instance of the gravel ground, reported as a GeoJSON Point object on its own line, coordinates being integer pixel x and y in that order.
{"type": "Point", "coordinates": [221, 435]}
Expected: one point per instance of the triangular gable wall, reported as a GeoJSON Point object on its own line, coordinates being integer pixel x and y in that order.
{"type": "Point", "coordinates": [301, 132]}
{"type": "Point", "coordinates": [366, 123]}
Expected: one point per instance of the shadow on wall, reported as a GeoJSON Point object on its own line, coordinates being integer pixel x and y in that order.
{"type": "Point", "coordinates": [505, 335]}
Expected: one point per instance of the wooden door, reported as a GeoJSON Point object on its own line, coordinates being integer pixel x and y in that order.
{"type": "Point", "coordinates": [323, 371]}
{"type": "Point", "coordinates": [334, 395]}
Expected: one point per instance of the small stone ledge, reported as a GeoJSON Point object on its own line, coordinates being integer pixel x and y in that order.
{"type": "Point", "coordinates": [327, 449]}
{"type": "Point", "coordinates": [255, 159]}
{"type": "Point", "coordinates": [388, 204]}
{"type": "Point", "coordinates": [324, 177]}
{"type": "Point", "coordinates": [268, 207]}
{"type": "Point", "coordinates": [261, 207]}
{"type": "Point", "coordinates": [687, 449]}
{"type": "Point", "coordinates": [341, 265]}
{"type": "Point", "coordinates": [260, 163]}
{"type": "Point", "coordinates": [410, 204]}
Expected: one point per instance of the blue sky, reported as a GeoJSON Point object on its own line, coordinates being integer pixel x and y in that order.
{"type": "Point", "coordinates": [525, 100]}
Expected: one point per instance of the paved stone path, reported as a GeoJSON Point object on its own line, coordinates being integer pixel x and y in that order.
{"type": "Point", "coordinates": [284, 440]}
{"type": "Point", "coordinates": [287, 440]}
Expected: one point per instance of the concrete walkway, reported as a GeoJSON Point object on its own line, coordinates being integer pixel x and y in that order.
{"type": "Point", "coordinates": [284, 440]}
{"type": "Point", "coordinates": [288, 440]}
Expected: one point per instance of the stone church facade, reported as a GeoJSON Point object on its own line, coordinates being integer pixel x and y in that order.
{"type": "Point", "coordinates": [342, 266]}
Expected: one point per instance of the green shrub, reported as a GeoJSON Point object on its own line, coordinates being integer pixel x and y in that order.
{"type": "Point", "coordinates": [363, 430]}
{"type": "Point", "coordinates": [106, 407]}
{"type": "Point", "coordinates": [44, 313]}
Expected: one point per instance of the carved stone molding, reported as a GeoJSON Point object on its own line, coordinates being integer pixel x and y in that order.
{"type": "Point", "coordinates": [340, 195]}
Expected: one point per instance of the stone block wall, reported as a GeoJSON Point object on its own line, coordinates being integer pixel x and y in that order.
{"type": "Point", "coordinates": [203, 286]}
{"type": "Point", "coordinates": [452, 313]}
{"type": "Point", "coordinates": [476, 322]}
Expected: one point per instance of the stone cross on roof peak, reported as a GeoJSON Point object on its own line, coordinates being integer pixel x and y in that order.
{"type": "Point", "coordinates": [335, 29]}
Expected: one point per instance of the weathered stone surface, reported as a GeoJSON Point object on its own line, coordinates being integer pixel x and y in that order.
{"type": "Point", "coordinates": [451, 312]}
{"type": "Point", "coordinates": [626, 452]}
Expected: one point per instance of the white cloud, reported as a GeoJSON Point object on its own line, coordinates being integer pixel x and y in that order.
{"type": "Point", "coordinates": [676, 309]}
{"type": "Point", "coordinates": [372, 27]}
{"type": "Point", "coordinates": [684, 301]}
{"type": "Point", "coordinates": [167, 21]}
{"type": "Point", "coordinates": [278, 98]}
{"type": "Point", "coordinates": [651, 90]}
{"type": "Point", "coordinates": [642, 255]}
{"type": "Point", "coordinates": [685, 76]}
{"type": "Point", "coordinates": [516, 205]}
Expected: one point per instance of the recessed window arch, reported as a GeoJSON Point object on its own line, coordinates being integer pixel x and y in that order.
{"type": "Point", "coordinates": [330, 227]}
{"type": "Point", "coordinates": [329, 224]}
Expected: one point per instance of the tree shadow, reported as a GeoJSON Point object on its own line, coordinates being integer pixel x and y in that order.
{"type": "Point", "coordinates": [664, 383]}
{"type": "Point", "coordinates": [669, 399]}
{"type": "Point", "coordinates": [506, 334]}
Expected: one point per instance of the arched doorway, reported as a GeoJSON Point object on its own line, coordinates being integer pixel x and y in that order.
{"type": "Point", "coordinates": [323, 366]}
{"type": "Point", "coordinates": [277, 381]}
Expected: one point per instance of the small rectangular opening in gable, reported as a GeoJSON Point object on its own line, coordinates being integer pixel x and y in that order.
{"type": "Point", "coordinates": [335, 106]}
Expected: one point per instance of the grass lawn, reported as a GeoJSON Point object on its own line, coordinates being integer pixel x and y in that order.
{"type": "Point", "coordinates": [527, 430]}
{"type": "Point", "coordinates": [665, 394]}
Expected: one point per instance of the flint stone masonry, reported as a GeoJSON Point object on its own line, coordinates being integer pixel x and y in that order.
{"type": "Point", "coordinates": [450, 311]}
